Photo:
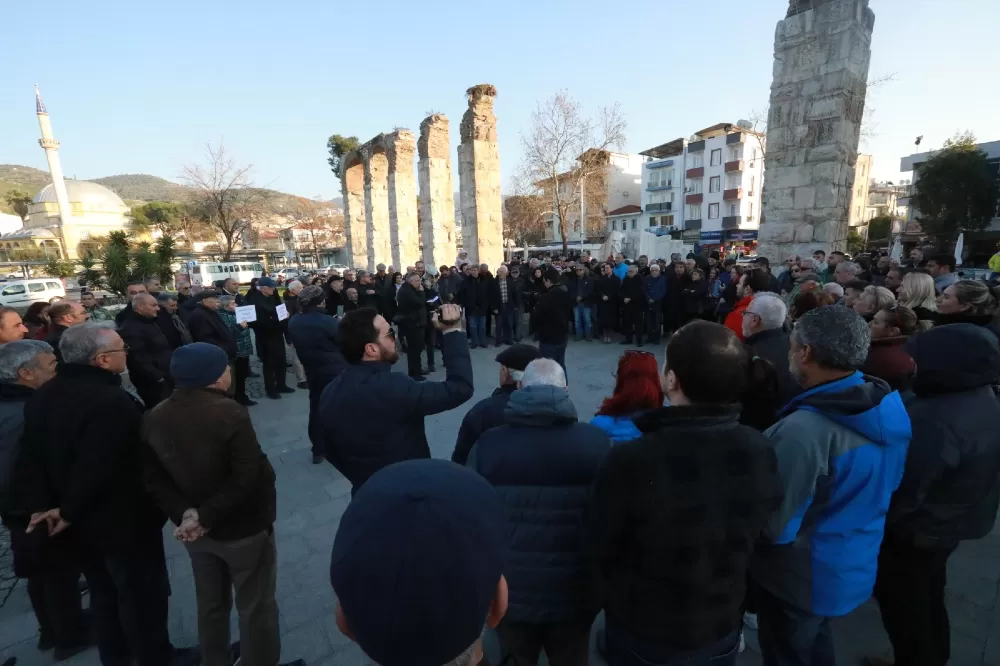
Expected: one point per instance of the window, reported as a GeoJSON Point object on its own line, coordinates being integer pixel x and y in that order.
{"type": "Point", "coordinates": [13, 290]}
{"type": "Point", "coordinates": [713, 211]}
{"type": "Point", "coordinates": [734, 209]}
{"type": "Point", "coordinates": [692, 212]}
{"type": "Point", "coordinates": [716, 157]}
{"type": "Point", "coordinates": [633, 224]}
{"type": "Point", "coordinates": [614, 225]}
{"type": "Point", "coordinates": [732, 182]}
{"type": "Point", "coordinates": [696, 160]}
{"type": "Point", "coordinates": [862, 170]}
{"type": "Point", "coordinates": [53, 285]}
{"type": "Point", "coordinates": [714, 184]}
{"type": "Point", "coordinates": [735, 155]}
{"type": "Point", "coordinates": [36, 287]}
{"type": "Point", "coordinates": [196, 270]}
{"type": "Point", "coordinates": [694, 187]}
{"type": "Point", "coordinates": [750, 211]}
{"type": "Point", "coordinates": [752, 180]}
{"type": "Point", "coordinates": [667, 221]}
{"type": "Point", "coordinates": [858, 210]}
{"type": "Point", "coordinates": [652, 221]}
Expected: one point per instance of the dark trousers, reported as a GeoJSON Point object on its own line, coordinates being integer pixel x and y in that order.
{"type": "Point", "coordinates": [625, 649]}
{"type": "Point", "coordinates": [555, 352]}
{"type": "Point", "coordinates": [241, 370]}
{"type": "Point", "coordinates": [315, 432]}
{"type": "Point", "coordinates": [505, 325]}
{"type": "Point", "coordinates": [271, 349]}
{"type": "Point", "coordinates": [128, 600]}
{"type": "Point", "coordinates": [250, 568]}
{"type": "Point", "coordinates": [633, 321]}
{"type": "Point", "coordinates": [476, 325]}
{"type": "Point", "coordinates": [430, 339]}
{"type": "Point", "coordinates": [910, 594]}
{"type": "Point", "coordinates": [565, 643]}
{"type": "Point", "coordinates": [414, 335]}
{"type": "Point", "coordinates": [654, 322]}
{"type": "Point", "coordinates": [791, 636]}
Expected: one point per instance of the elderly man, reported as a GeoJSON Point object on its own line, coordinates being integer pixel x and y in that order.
{"type": "Point", "coordinates": [551, 602]}
{"type": "Point", "coordinates": [11, 326]}
{"type": "Point", "coordinates": [206, 325]}
{"type": "Point", "coordinates": [504, 299]}
{"type": "Point", "coordinates": [52, 588]}
{"type": "Point", "coordinates": [232, 288]}
{"type": "Point", "coordinates": [94, 312]}
{"type": "Point", "coordinates": [149, 351]}
{"type": "Point", "coordinates": [474, 297]}
{"type": "Point", "coordinates": [270, 331]}
{"type": "Point", "coordinates": [750, 284]}
{"type": "Point", "coordinates": [763, 331]}
{"type": "Point", "coordinates": [841, 446]}
{"type": "Point", "coordinates": [291, 301]}
{"type": "Point", "coordinates": [175, 330]}
{"type": "Point", "coordinates": [488, 413]}
{"type": "Point", "coordinates": [834, 289]}
{"type": "Point", "coordinates": [225, 511]}
{"type": "Point", "coordinates": [91, 484]}
{"type": "Point", "coordinates": [654, 287]}
{"type": "Point", "coordinates": [64, 315]}
{"type": "Point", "coordinates": [845, 272]}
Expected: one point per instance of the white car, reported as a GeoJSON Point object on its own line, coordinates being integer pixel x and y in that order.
{"type": "Point", "coordinates": [340, 268]}
{"type": "Point", "coordinates": [22, 293]}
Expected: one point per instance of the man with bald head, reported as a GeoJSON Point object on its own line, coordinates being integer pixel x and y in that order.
{"type": "Point", "coordinates": [149, 351]}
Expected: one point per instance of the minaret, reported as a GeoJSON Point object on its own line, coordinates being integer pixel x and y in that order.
{"type": "Point", "coordinates": [51, 148]}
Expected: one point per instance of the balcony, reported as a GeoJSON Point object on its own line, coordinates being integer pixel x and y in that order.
{"type": "Point", "coordinates": [737, 137]}
{"type": "Point", "coordinates": [734, 165]}
{"type": "Point", "coordinates": [733, 194]}
{"type": "Point", "coordinates": [694, 198]}
{"type": "Point", "coordinates": [697, 172]}
{"type": "Point", "coordinates": [692, 225]}
{"type": "Point", "coordinates": [662, 206]}
{"type": "Point", "coordinates": [659, 185]}
{"type": "Point", "coordinates": [731, 222]}
{"type": "Point", "coordinates": [696, 146]}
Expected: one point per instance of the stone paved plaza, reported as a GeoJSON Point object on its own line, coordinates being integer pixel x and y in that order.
{"type": "Point", "coordinates": [311, 500]}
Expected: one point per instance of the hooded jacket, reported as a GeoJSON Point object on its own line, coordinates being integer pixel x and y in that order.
{"type": "Point", "coordinates": [543, 464]}
{"type": "Point", "coordinates": [841, 449]}
{"type": "Point", "coordinates": [951, 484]}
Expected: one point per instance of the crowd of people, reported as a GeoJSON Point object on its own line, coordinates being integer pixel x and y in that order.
{"type": "Point", "coordinates": [818, 434]}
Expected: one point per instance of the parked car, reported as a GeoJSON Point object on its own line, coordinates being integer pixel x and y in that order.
{"type": "Point", "coordinates": [289, 274]}
{"type": "Point", "coordinates": [340, 268]}
{"type": "Point", "coordinates": [22, 293]}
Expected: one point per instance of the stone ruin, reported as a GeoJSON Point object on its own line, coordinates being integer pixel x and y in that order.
{"type": "Point", "coordinates": [821, 55]}
{"type": "Point", "coordinates": [380, 192]}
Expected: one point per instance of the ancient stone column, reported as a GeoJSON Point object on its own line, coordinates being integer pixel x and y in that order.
{"type": "Point", "coordinates": [352, 185]}
{"type": "Point", "coordinates": [376, 164]}
{"type": "Point", "coordinates": [479, 179]}
{"type": "Point", "coordinates": [403, 232]}
{"type": "Point", "coordinates": [821, 55]}
{"type": "Point", "coordinates": [437, 199]}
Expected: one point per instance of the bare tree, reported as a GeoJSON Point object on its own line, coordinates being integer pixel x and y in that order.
{"type": "Point", "coordinates": [225, 196]}
{"type": "Point", "coordinates": [322, 226]}
{"type": "Point", "coordinates": [565, 149]}
{"type": "Point", "coordinates": [524, 211]}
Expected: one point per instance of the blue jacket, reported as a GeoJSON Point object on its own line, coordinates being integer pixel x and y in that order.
{"type": "Point", "coordinates": [654, 288]}
{"type": "Point", "coordinates": [371, 417]}
{"type": "Point", "coordinates": [543, 465]}
{"type": "Point", "coordinates": [619, 428]}
{"type": "Point", "coordinates": [317, 343]}
{"type": "Point", "coordinates": [841, 449]}
{"type": "Point", "coordinates": [620, 270]}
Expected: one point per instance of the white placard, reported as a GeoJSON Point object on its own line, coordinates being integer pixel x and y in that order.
{"type": "Point", "coordinates": [246, 313]}
{"type": "Point", "coordinates": [282, 312]}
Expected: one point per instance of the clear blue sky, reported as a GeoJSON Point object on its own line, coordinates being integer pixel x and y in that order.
{"type": "Point", "coordinates": [138, 87]}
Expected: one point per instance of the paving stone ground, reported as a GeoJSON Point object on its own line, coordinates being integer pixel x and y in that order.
{"type": "Point", "coordinates": [311, 500]}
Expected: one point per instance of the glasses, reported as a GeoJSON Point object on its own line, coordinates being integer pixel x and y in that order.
{"type": "Point", "coordinates": [123, 350]}
{"type": "Point", "coordinates": [391, 333]}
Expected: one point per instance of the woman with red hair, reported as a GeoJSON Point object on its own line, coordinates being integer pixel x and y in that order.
{"type": "Point", "coordinates": [637, 390]}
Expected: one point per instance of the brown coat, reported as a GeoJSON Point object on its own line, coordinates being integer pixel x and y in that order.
{"type": "Point", "coordinates": [888, 360]}
{"type": "Point", "coordinates": [207, 458]}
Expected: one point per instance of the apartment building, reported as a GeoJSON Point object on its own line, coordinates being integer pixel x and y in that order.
{"type": "Point", "coordinates": [857, 213]}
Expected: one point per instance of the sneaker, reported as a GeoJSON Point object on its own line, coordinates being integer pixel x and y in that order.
{"type": "Point", "coordinates": [750, 621]}
{"type": "Point", "coordinates": [286, 389]}
{"type": "Point", "coordinates": [303, 385]}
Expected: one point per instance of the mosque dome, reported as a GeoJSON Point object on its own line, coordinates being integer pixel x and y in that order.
{"type": "Point", "coordinates": [90, 196]}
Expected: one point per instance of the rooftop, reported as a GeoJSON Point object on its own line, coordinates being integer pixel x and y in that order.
{"type": "Point", "coordinates": [669, 149]}
{"type": "Point", "coordinates": [630, 209]}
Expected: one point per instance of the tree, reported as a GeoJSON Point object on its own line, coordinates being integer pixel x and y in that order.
{"type": "Point", "coordinates": [225, 197]}
{"type": "Point", "coordinates": [18, 200]}
{"type": "Point", "coordinates": [855, 242]}
{"type": "Point", "coordinates": [117, 272]}
{"type": "Point", "coordinates": [60, 268]}
{"type": "Point", "coordinates": [167, 217]}
{"type": "Point", "coordinates": [956, 189]}
{"type": "Point", "coordinates": [565, 149]}
{"type": "Point", "coordinates": [338, 146]}
{"type": "Point", "coordinates": [165, 254]}
{"type": "Point", "coordinates": [524, 212]}
{"type": "Point", "coordinates": [91, 277]}
{"type": "Point", "coordinates": [879, 227]}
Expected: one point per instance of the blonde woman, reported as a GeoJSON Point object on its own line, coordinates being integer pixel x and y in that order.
{"type": "Point", "coordinates": [917, 293]}
{"type": "Point", "coordinates": [873, 299]}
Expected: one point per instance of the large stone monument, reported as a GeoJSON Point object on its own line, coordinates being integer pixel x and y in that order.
{"type": "Point", "coordinates": [403, 232]}
{"type": "Point", "coordinates": [479, 179]}
{"type": "Point", "coordinates": [352, 185]}
{"type": "Point", "coordinates": [376, 164]}
{"type": "Point", "coordinates": [821, 55]}
{"type": "Point", "coordinates": [437, 199]}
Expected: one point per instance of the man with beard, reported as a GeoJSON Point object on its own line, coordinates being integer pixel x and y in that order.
{"type": "Point", "coordinates": [371, 417]}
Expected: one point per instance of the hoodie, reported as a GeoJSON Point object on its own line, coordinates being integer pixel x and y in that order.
{"type": "Point", "coordinates": [543, 464]}
{"type": "Point", "coordinates": [841, 449]}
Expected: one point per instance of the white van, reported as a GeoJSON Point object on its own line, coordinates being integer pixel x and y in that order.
{"type": "Point", "coordinates": [22, 293]}
{"type": "Point", "coordinates": [241, 271]}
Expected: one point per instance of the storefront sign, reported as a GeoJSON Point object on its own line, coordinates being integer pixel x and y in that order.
{"type": "Point", "coordinates": [711, 236]}
{"type": "Point", "coordinates": [741, 235]}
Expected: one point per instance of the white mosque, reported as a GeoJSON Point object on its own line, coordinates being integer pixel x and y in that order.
{"type": "Point", "coordinates": [67, 218]}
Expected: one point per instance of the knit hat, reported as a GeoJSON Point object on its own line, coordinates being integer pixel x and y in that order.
{"type": "Point", "coordinates": [416, 561]}
{"type": "Point", "coordinates": [197, 365]}
{"type": "Point", "coordinates": [311, 295]}
{"type": "Point", "coordinates": [202, 295]}
{"type": "Point", "coordinates": [265, 282]}
{"type": "Point", "coordinates": [517, 357]}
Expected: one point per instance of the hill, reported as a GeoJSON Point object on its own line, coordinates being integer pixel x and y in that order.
{"type": "Point", "coordinates": [143, 187]}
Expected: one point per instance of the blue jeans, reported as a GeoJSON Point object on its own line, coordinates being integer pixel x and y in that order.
{"type": "Point", "coordinates": [477, 330]}
{"type": "Point", "coordinates": [624, 649]}
{"type": "Point", "coordinates": [555, 352]}
{"type": "Point", "coordinates": [581, 317]}
{"type": "Point", "coordinates": [790, 635]}
{"type": "Point", "coordinates": [505, 325]}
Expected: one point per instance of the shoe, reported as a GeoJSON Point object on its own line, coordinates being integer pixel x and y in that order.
{"type": "Point", "coordinates": [419, 378]}
{"type": "Point", "coordinates": [303, 385]}
{"type": "Point", "coordinates": [46, 641]}
{"type": "Point", "coordinates": [62, 653]}
{"type": "Point", "coordinates": [750, 621]}
{"type": "Point", "coordinates": [317, 460]}
{"type": "Point", "coordinates": [426, 371]}
{"type": "Point", "coordinates": [246, 402]}
{"type": "Point", "coordinates": [286, 389]}
{"type": "Point", "coordinates": [274, 395]}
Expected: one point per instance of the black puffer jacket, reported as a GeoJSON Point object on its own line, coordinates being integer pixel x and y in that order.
{"type": "Point", "coordinates": [485, 414]}
{"type": "Point", "coordinates": [411, 307]}
{"type": "Point", "coordinates": [543, 464]}
{"type": "Point", "coordinates": [207, 326]}
{"type": "Point", "coordinates": [550, 320]}
{"type": "Point", "coordinates": [149, 351]}
{"type": "Point", "coordinates": [314, 335]}
{"type": "Point", "coordinates": [951, 483]}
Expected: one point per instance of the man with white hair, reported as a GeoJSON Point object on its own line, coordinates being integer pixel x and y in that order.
{"type": "Point", "coordinates": [834, 289]}
{"type": "Point", "coordinates": [763, 330]}
{"type": "Point", "coordinates": [149, 351]}
{"type": "Point", "coordinates": [543, 464]}
{"type": "Point", "coordinates": [291, 300]}
{"type": "Point", "coordinates": [845, 272]}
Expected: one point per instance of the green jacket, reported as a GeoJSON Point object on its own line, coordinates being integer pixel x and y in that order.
{"type": "Point", "coordinates": [244, 347]}
{"type": "Point", "coordinates": [100, 314]}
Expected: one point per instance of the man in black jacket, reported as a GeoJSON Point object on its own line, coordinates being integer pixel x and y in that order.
{"type": "Point", "coordinates": [543, 464]}
{"type": "Point", "coordinates": [174, 330]}
{"type": "Point", "coordinates": [763, 331]}
{"type": "Point", "coordinates": [206, 325]}
{"type": "Point", "coordinates": [488, 413]}
{"type": "Point", "coordinates": [551, 318]}
{"type": "Point", "coordinates": [63, 315]}
{"type": "Point", "coordinates": [504, 300]}
{"type": "Point", "coordinates": [335, 295]}
{"type": "Point", "coordinates": [474, 296]}
{"type": "Point", "coordinates": [270, 331]}
{"type": "Point", "coordinates": [132, 290]}
{"type": "Point", "coordinates": [372, 417]}
{"type": "Point", "coordinates": [232, 288]}
{"type": "Point", "coordinates": [83, 474]}
{"type": "Point", "coordinates": [950, 488]}
{"type": "Point", "coordinates": [677, 512]}
{"type": "Point", "coordinates": [148, 351]}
